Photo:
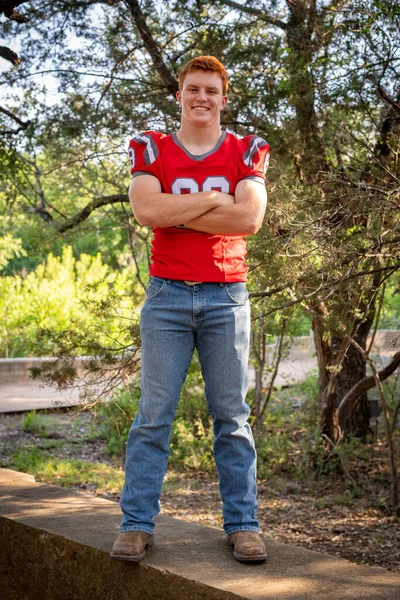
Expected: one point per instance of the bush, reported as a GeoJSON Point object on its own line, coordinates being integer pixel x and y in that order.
{"type": "Point", "coordinates": [34, 423]}
{"type": "Point", "coordinates": [54, 296]}
{"type": "Point", "coordinates": [289, 431]}
{"type": "Point", "coordinates": [116, 416]}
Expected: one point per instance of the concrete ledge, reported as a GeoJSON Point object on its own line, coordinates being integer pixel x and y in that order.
{"type": "Point", "coordinates": [19, 392]}
{"type": "Point", "coordinates": [18, 370]}
{"type": "Point", "coordinates": [55, 546]}
{"type": "Point", "coordinates": [31, 396]}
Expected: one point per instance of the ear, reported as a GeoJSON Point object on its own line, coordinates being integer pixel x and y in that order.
{"type": "Point", "coordinates": [179, 97]}
{"type": "Point", "coordinates": [224, 101]}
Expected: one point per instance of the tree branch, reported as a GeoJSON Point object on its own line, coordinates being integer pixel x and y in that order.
{"type": "Point", "coordinates": [333, 6]}
{"type": "Point", "coordinates": [382, 93]}
{"type": "Point", "coordinates": [152, 47]}
{"type": "Point", "coordinates": [7, 8]}
{"type": "Point", "coordinates": [23, 124]}
{"type": "Point", "coordinates": [385, 412]}
{"type": "Point", "coordinates": [9, 55]}
{"type": "Point", "coordinates": [41, 211]}
{"type": "Point", "coordinates": [257, 12]}
{"type": "Point", "coordinates": [269, 293]}
{"type": "Point", "coordinates": [89, 208]}
{"type": "Point", "coordinates": [328, 284]}
{"type": "Point", "coordinates": [362, 386]}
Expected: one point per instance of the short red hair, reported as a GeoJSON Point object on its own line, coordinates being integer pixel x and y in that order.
{"type": "Point", "coordinates": [205, 63]}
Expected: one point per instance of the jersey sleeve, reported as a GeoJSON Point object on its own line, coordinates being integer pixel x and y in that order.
{"type": "Point", "coordinates": [143, 153]}
{"type": "Point", "coordinates": [254, 158]}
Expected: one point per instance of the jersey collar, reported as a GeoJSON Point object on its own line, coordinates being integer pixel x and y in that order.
{"type": "Point", "coordinates": [199, 156]}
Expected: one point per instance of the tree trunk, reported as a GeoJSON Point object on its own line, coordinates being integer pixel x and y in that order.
{"type": "Point", "coordinates": [299, 35]}
{"type": "Point", "coordinates": [344, 372]}
{"type": "Point", "coordinates": [328, 414]}
{"type": "Point", "coordinates": [353, 370]}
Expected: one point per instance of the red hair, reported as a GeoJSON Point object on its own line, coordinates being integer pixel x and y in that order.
{"type": "Point", "coordinates": [205, 63]}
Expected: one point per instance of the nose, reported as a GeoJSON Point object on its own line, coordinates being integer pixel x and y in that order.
{"type": "Point", "coordinates": [201, 95]}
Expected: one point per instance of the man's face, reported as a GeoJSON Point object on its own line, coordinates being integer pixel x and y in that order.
{"type": "Point", "coordinates": [201, 98]}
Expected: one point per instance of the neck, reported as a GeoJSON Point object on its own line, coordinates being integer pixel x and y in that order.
{"type": "Point", "coordinates": [199, 140]}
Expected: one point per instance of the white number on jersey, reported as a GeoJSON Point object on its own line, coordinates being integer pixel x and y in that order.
{"type": "Point", "coordinates": [131, 153]}
{"type": "Point", "coordinates": [184, 185]}
{"type": "Point", "coordinates": [188, 185]}
{"type": "Point", "coordinates": [216, 183]}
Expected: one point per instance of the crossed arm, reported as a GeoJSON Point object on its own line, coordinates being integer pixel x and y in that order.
{"type": "Point", "coordinates": [210, 212]}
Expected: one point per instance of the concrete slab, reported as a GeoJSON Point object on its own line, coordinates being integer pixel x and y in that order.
{"type": "Point", "coordinates": [55, 544]}
{"type": "Point", "coordinates": [289, 372]}
{"type": "Point", "coordinates": [30, 395]}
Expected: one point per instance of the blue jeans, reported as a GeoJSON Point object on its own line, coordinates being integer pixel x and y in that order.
{"type": "Point", "coordinates": [176, 318]}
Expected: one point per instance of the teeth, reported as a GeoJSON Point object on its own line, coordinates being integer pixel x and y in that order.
{"type": "Point", "coordinates": [203, 108]}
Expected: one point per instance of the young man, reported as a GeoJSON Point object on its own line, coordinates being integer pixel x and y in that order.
{"type": "Point", "coordinates": [202, 190]}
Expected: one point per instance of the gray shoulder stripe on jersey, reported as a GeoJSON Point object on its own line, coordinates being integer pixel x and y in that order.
{"type": "Point", "coordinates": [255, 178]}
{"type": "Point", "coordinates": [151, 152]}
{"type": "Point", "coordinates": [138, 173]}
{"type": "Point", "coordinates": [255, 144]}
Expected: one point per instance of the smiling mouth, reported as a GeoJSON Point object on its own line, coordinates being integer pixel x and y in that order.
{"type": "Point", "coordinates": [201, 108]}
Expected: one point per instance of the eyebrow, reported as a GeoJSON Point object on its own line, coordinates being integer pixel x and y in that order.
{"type": "Point", "coordinates": [209, 87]}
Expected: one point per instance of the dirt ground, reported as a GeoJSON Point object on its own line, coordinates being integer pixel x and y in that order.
{"type": "Point", "coordinates": [330, 516]}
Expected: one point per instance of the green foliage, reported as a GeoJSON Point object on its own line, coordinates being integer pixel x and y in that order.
{"type": "Point", "coordinates": [390, 317]}
{"type": "Point", "coordinates": [115, 418]}
{"type": "Point", "coordinates": [57, 294]}
{"type": "Point", "coordinates": [34, 423]}
{"type": "Point", "coordinates": [289, 432]}
{"type": "Point", "coordinates": [273, 450]}
{"type": "Point", "coordinates": [10, 247]}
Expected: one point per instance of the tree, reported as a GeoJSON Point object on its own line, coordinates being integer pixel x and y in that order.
{"type": "Point", "coordinates": [7, 7]}
{"type": "Point", "coordinates": [331, 222]}
{"type": "Point", "coordinates": [317, 79]}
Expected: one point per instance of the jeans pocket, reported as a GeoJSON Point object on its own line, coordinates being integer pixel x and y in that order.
{"type": "Point", "coordinates": [155, 287]}
{"type": "Point", "coordinates": [237, 292]}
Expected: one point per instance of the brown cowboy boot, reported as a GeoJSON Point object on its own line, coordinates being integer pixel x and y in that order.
{"type": "Point", "coordinates": [247, 546]}
{"type": "Point", "coordinates": [131, 545]}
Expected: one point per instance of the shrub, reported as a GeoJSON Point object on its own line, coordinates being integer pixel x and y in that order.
{"type": "Point", "coordinates": [56, 294]}
{"type": "Point", "coordinates": [34, 423]}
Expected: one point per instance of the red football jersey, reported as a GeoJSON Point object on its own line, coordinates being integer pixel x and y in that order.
{"type": "Point", "coordinates": [182, 253]}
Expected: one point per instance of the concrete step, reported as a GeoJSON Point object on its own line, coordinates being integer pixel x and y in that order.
{"type": "Point", "coordinates": [55, 546]}
{"type": "Point", "coordinates": [21, 397]}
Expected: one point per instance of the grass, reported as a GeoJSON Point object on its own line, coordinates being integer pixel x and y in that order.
{"type": "Point", "coordinates": [68, 472]}
{"type": "Point", "coordinates": [34, 423]}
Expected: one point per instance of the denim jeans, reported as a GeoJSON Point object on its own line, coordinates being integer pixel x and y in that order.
{"type": "Point", "coordinates": [176, 318]}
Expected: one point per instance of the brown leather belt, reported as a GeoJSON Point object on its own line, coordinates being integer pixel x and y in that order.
{"type": "Point", "coordinates": [192, 282]}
